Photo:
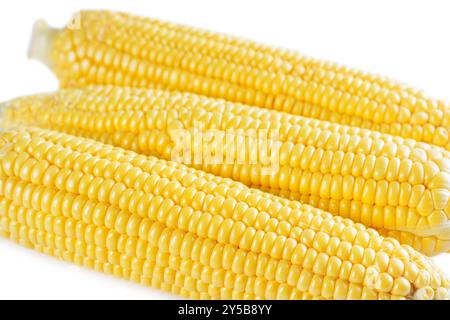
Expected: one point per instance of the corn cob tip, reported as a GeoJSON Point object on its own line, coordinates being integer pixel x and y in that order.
{"type": "Point", "coordinates": [3, 106]}
{"type": "Point", "coordinates": [41, 41]}
{"type": "Point", "coordinates": [4, 122]}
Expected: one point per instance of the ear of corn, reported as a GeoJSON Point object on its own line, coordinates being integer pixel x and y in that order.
{"type": "Point", "coordinates": [398, 186]}
{"type": "Point", "coordinates": [114, 48]}
{"type": "Point", "coordinates": [165, 225]}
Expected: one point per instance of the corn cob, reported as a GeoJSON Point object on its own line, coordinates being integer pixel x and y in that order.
{"type": "Point", "coordinates": [114, 48]}
{"type": "Point", "coordinates": [162, 224]}
{"type": "Point", "coordinates": [398, 186]}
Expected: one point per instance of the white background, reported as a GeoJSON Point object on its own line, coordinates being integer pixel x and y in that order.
{"type": "Point", "coordinates": [404, 39]}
